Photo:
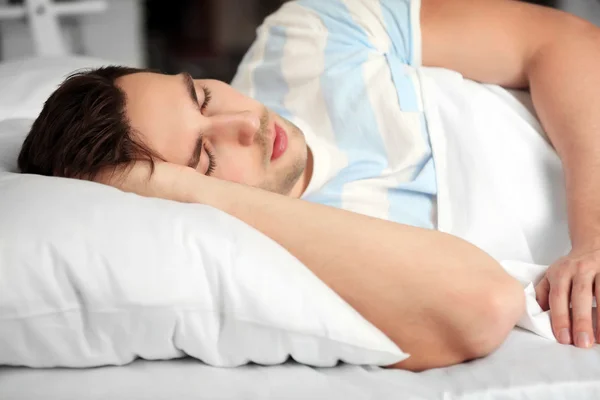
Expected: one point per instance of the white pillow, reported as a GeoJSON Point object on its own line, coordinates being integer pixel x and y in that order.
{"type": "Point", "coordinates": [92, 276]}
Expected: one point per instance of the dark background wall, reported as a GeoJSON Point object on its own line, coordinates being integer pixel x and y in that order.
{"type": "Point", "coordinates": [186, 34]}
{"type": "Point", "coordinates": [205, 37]}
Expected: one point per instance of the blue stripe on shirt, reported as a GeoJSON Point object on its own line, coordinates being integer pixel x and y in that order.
{"type": "Point", "coordinates": [417, 195]}
{"type": "Point", "coordinates": [397, 18]}
{"type": "Point", "coordinates": [345, 94]}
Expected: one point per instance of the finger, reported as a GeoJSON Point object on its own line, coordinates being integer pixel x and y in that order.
{"type": "Point", "coordinates": [581, 300]}
{"type": "Point", "coordinates": [597, 294]}
{"type": "Point", "coordinates": [560, 288]}
{"type": "Point", "coordinates": [541, 294]}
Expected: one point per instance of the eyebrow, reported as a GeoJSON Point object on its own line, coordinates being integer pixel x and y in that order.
{"type": "Point", "coordinates": [195, 158]}
{"type": "Point", "coordinates": [189, 86]}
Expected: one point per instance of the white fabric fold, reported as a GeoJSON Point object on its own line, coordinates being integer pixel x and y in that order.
{"type": "Point", "coordinates": [534, 319]}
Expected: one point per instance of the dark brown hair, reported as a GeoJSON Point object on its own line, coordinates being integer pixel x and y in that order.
{"type": "Point", "coordinates": [83, 129]}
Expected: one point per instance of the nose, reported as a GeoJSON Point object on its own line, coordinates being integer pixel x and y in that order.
{"type": "Point", "coordinates": [241, 127]}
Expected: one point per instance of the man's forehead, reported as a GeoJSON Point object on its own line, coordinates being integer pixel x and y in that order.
{"type": "Point", "coordinates": [142, 81]}
{"type": "Point", "coordinates": [158, 108]}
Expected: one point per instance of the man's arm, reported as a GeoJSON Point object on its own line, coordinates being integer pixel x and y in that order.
{"type": "Point", "coordinates": [557, 56]}
{"type": "Point", "coordinates": [437, 297]}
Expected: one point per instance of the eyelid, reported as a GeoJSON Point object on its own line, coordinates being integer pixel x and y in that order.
{"type": "Point", "coordinates": [212, 163]}
{"type": "Point", "coordinates": [207, 98]}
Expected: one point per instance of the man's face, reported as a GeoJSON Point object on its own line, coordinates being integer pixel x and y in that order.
{"type": "Point", "coordinates": [209, 126]}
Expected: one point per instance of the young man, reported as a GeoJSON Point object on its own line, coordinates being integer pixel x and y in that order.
{"type": "Point", "coordinates": [358, 151]}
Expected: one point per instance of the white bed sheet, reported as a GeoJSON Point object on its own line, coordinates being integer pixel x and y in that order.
{"type": "Point", "coordinates": [525, 367]}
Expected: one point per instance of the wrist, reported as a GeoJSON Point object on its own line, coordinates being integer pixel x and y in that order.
{"type": "Point", "coordinates": [186, 184]}
{"type": "Point", "coordinates": [584, 242]}
{"type": "Point", "coordinates": [194, 187]}
{"type": "Point", "coordinates": [582, 247]}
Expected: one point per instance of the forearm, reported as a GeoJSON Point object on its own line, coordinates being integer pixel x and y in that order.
{"type": "Point", "coordinates": [335, 243]}
{"type": "Point", "coordinates": [388, 272]}
{"type": "Point", "coordinates": [564, 79]}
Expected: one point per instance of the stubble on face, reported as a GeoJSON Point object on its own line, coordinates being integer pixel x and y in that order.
{"type": "Point", "coordinates": [284, 179]}
{"type": "Point", "coordinates": [262, 138]}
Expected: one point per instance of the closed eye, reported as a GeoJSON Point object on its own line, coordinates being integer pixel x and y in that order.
{"type": "Point", "coordinates": [207, 98]}
{"type": "Point", "coordinates": [212, 162]}
{"type": "Point", "coordinates": [191, 89]}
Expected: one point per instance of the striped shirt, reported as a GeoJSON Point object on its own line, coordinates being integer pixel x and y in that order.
{"type": "Point", "coordinates": [344, 71]}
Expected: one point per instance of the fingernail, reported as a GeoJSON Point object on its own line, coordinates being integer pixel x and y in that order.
{"type": "Point", "coordinates": [583, 340]}
{"type": "Point", "coordinates": [563, 336]}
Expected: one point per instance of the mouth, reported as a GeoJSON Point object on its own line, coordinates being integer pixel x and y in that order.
{"type": "Point", "coordinates": [280, 142]}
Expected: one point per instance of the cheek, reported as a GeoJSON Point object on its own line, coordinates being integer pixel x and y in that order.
{"type": "Point", "coordinates": [238, 166]}
{"type": "Point", "coordinates": [232, 175]}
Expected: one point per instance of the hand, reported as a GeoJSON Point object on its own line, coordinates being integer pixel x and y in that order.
{"type": "Point", "coordinates": [166, 182]}
{"type": "Point", "coordinates": [572, 279]}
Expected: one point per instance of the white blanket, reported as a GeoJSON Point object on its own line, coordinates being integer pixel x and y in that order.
{"type": "Point", "coordinates": [500, 182]}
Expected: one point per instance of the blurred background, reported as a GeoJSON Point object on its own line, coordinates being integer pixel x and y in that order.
{"type": "Point", "coordinates": [204, 37]}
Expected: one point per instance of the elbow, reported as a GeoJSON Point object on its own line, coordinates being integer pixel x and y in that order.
{"type": "Point", "coordinates": [474, 325]}
{"type": "Point", "coordinates": [497, 310]}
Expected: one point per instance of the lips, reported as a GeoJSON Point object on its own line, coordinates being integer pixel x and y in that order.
{"type": "Point", "coordinates": [280, 143]}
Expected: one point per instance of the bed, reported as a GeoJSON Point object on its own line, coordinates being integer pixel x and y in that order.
{"type": "Point", "coordinates": [525, 367]}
